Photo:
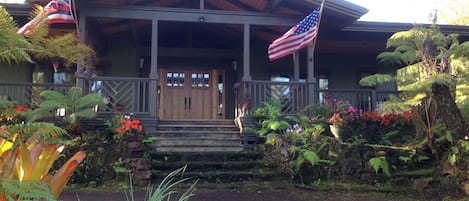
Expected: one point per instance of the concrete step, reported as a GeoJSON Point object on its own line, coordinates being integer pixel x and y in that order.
{"type": "Point", "coordinates": [197, 128]}
{"type": "Point", "coordinates": [225, 176]}
{"type": "Point", "coordinates": [197, 142]}
{"type": "Point", "coordinates": [192, 149]}
{"type": "Point", "coordinates": [213, 165]}
{"type": "Point", "coordinates": [229, 135]}
{"type": "Point", "coordinates": [197, 136]}
{"type": "Point", "coordinates": [197, 122]}
{"type": "Point", "coordinates": [214, 156]}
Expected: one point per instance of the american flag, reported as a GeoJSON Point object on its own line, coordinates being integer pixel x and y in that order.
{"type": "Point", "coordinates": [56, 11]}
{"type": "Point", "coordinates": [299, 36]}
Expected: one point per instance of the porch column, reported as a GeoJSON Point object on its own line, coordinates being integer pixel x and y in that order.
{"type": "Point", "coordinates": [246, 54]}
{"type": "Point", "coordinates": [296, 66]}
{"type": "Point", "coordinates": [82, 34]}
{"type": "Point", "coordinates": [153, 85]}
{"type": "Point", "coordinates": [310, 78]}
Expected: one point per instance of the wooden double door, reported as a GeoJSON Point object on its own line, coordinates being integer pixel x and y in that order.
{"type": "Point", "coordinates": [192, 94]}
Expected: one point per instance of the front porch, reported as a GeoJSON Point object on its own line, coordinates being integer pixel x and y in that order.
{"type": "Point", "coordinates": [132, 95]}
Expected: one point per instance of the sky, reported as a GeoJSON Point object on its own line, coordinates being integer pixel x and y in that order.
{"type": "Point", "coordinates": [411, 11]}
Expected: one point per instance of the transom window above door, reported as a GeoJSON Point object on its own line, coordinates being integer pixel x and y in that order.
{"type": "Point", "coordinates": [175, 79]}
{"type": "Point", "coordinates": [200, 79]}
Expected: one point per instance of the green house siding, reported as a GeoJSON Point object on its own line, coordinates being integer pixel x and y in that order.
{"type": "Point", "coordinates": [15, 72]}
{"type": "Point", "coordinates": [122, 57]}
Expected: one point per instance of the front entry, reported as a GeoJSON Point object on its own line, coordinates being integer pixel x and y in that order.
{"type": "Point", "coordinates": [191, 94]}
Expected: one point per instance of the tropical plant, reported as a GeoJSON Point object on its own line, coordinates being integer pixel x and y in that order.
{"type": "Point", "coordinates": [436, 65]}
{"type": "Point", "coordinates": [270, 116]}
{"type": "Point", "coordinates": [167, 188]}
{"type": "Point", "coordinates": [380, 163]}
{"type": "Point", "coordinates": [343, 113]}
{"type": "Point", "coordinates": [74, 106]}
{"type": "Point", "coordinates": [11, 112]}
{"type": "Point", "coordinates": [124, 126]}
{"type": "Point", "coordinates": [38, 44]}
{"type": "Point", "coordinates": [13, 47]}
{"type": "Point", "coordinates": [28, 152]}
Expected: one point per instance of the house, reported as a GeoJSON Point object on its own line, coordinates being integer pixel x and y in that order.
{"type": "Point", "coordinates": [206, 59]}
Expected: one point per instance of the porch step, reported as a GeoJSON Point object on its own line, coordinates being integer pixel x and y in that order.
{"type": "Point", "coordinates": [192, 149]}
{"type": "Point", "coordinates": [197, 136]}
{"type": "Point", "coordinates": [216, 167]}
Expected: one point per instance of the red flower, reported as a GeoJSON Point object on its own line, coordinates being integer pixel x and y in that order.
{"type": "Point", "coordinates": [20, 108]}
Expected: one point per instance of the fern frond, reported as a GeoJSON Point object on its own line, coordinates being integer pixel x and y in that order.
{"type": "Point", "coordinates": [25, 190]}
{"type": "Point", "coordinates": [390, 58]}
{"type": "Point", "coordinates": [376, 79]}
{"type": "Point", "coordinates": [44, 129]}
{"type": "Point", "coordinates": [393, 105]}
{"type": "Point", "coordinates": [380, 163]}
{"type": "Point", "coordinates": [13, 47]}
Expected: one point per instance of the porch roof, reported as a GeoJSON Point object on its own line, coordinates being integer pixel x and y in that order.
{"type": "Point", "coordinates": [286, 13]}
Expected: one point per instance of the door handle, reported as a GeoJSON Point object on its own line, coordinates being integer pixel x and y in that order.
{"type": "Point", "coordinates": [190, 100]}
{"type": "Point", "coordinates": [185, 103]}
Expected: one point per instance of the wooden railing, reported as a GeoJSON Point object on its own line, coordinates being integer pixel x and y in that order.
{"type": "Point", "coordinates": [129, 95]}
{"type": "Point", "coordinates": [27, 93]}
{"type": "Point", "coordinates": [121, 93]}
{"type": "Point", "coordinates": [364, 99]}
{"type": "Point", "coordinates": [295, 96]}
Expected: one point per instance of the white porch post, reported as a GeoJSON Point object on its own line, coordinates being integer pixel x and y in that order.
{"type": "Point", "coordinates": [310, 77]}
{"type": "Point", "coordinates": [153, 85]}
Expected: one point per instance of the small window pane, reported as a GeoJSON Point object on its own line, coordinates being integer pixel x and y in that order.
{"type": "Point", "coordinates": [169, 77]}
{"type": "Point", "coordinates": [206, 79]}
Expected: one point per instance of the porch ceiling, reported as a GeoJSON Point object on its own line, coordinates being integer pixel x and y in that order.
{"type": "Point", "coordinates": [337, 14]}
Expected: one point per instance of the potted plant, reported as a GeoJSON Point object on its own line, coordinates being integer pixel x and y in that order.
{"type": "Point", "coordinates": [344, 113]}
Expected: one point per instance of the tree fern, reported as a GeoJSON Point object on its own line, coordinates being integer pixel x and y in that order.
{"type": "Point", "coordinates": [38, 44]}
{"type": "Point", "coordinates": [376, 79]}
{"type": "Point", "coordinates": [13, 47]}
{"type": "Point", "coordinates": [28, 129]}
{"type": "Point", "coordinates": [15, 190]}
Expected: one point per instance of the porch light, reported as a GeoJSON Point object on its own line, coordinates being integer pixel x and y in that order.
{"type": "Point", "coordinates": [235, 65]}
{"type": "Point", "coordinates": [141, 62]}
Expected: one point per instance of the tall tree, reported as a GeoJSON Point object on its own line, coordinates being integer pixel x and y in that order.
{"type": "Point", "coordinates": [454, 11]}
{"type": "Point", "coordinates": [434, 57]}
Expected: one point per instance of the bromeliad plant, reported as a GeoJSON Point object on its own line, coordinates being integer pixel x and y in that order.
{"type": "Point", "coordinates": [28, 152]}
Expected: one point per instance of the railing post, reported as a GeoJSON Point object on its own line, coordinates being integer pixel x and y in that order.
{"type": "Point", "coordinates": [152, 97]}
{"type": "Point", "coordinates": [374, 100]}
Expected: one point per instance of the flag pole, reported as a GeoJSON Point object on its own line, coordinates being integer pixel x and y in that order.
{"type": "Point", "coordinates": [310, 62]}
{"type": "Point", "coordinates": [76, 19]}
{"type": "Point", "coordinates": [296, 56]}
{"type": "Point", "coordinates": [319, 23]}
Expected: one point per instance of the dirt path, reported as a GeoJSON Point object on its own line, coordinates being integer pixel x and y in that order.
{"type": "Point", "coordinates": [268, 195]}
